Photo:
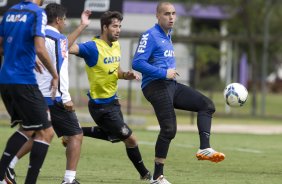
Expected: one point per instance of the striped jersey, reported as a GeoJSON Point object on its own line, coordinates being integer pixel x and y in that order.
{"type": "Point", "coordinates": [20, 24]}
{"type": "Point", "coordinates": [102, 65]}
{"type": "Point", "coordinates": [57, 47]}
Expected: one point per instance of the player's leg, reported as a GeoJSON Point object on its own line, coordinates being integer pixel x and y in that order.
{"type": "Point", "coordinates": [38, 153]}
{"type": "Point", "coordinates": [65, 123]}
{"type": "Point", "coordinates": [18, 139]}
{"type": "Point", "coordinates": [35, 119]}
{"type": "Point", "coordinates": [14, 144]}
{"type": "Point", "coordinates": [159, 93]}
{"type": "Point", "coordinates": [98, 133]}
{"type": "Point", "coordinates": [133, 153]}
{"type": "Point", "coordinates": [10, 176]}
{"type": "Point", "coordinates": [187, 98]}
{"type": "Point", "coordinates": [109, 118]}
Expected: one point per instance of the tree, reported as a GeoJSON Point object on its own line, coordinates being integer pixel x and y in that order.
{"type": "Point", "coordinates": [246, 28]}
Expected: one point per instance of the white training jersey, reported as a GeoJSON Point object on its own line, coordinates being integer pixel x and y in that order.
{"type": "Point", "coordinates": [57, 47]}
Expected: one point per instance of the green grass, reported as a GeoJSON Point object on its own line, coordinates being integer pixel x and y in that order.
{"type": "Point", "coordinates": [141, 106]}
{"type": "Point", "coordinates": [250, 159]}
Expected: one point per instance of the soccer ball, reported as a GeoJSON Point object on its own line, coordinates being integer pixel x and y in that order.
{"type": "Point", "coordinates": [235, 94]}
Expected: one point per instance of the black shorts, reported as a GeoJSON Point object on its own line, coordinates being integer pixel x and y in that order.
{"type": "Point", "coordinates": [110, 119]}
{"type": "Point", "coordinates": [25, 102]}
{"type": "Point", "coordinates": [65, 123]}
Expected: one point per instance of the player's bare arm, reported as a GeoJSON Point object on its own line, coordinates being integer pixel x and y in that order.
{"type": "Point", "coordinates": [129, 75]}
{"type": "Point", "coordinates": [39, 67]}
{"type": "Point", "coordinates": [74, 49]}
{"type": "Point", "coordinates": [84, 22]}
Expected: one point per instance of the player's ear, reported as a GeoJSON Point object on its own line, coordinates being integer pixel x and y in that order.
{"type": "Point", "coordinates": [57, 20]}
{"type": "Point", "coordinates": [105, 28]}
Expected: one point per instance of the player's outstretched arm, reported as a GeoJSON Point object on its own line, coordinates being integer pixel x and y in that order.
{"type": "Point", "coordinates": [74, 49]}
{"type": "Point", "coordinates": [129, 75]}
{"type": "Point", "coordinates": [84, 22]}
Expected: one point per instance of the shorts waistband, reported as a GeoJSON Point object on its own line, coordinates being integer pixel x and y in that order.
{"type": "Point", "coordinates": [114, 102]}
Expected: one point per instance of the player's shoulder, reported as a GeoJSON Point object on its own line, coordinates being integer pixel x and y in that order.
{"type": "Point", "coordinates": [36, 8]}
{"type": "Point", "coordinates": [88, 45]}
{"type": "Point", "coordinates": [54, 33]}
{"type": "Point", "coordinates": [150, 33]}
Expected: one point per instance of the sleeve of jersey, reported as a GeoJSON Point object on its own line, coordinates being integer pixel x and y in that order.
{"type": "Point", "coordinates": [142, 55]}
{"type": "Point", "coordinates": [39, 24]}
{"type": "Point", "coordinates": [64, 82]}
{"type": "Point", "coordinates": [89, 52]}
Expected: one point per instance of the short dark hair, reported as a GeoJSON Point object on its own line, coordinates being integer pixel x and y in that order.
{"type": "Point", "coordinates": [107, 18]}
{"type": "Point", "coordinates": [54, 10]}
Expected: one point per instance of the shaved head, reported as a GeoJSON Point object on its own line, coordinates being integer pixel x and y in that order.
{"type": "Point", "coordinates": [161, 5]}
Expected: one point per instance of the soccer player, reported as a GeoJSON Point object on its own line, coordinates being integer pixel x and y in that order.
{"type": "Point", "coordinates": [61, 108]}
{"type": "Point", "coordinates": [102, 56]}
{"type": "Point", "coordinates": [154, 58]}
{"type": "Point", "coordinates": [22, 34]}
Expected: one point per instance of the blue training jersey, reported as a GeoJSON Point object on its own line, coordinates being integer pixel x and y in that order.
{"type": "Point", "coordinates": [20, 24]}
{"type": "Point", "coordinates": [154, 55]}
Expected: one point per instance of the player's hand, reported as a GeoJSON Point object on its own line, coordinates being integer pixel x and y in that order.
{"type": "Point", "coordinates": [85, 17]}
{"type": "Point", "coordinates": [130, 75]}
{"type": "Point", "coordinates": [39, 67]}
{"type": "Point", "coordinates": [54, 87]}
{"type": "Point", "coordinates": [69, 106]}
{"type": "Point", "coordinates": [171, 73]}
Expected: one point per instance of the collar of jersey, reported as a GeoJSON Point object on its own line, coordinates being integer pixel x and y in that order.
{"type": "Point", "coordinates": [52, 28]}
{"type": "Point", "coordinates": [159, 28]}
{"type": "Point", "coordinates": [105, 43]}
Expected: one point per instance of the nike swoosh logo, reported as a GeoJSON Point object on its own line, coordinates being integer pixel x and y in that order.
{"type": "Point", "coordinates": [11, 175]}
{"type": "Point", "coordinates": [112, 71]}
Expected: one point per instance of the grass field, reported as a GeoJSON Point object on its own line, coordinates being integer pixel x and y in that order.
{"type": "Point", "coordinates": [251, 159]}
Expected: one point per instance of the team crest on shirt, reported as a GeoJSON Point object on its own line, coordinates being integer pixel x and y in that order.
{"type": "Point", "coordinates": [63, 43]}
{"type": "Point", "coordinates": [124, 130]}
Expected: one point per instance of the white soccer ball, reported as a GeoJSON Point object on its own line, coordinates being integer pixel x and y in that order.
{"type": "Point", "coordinates": [235, 94]}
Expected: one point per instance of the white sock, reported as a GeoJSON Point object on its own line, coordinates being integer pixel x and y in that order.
{"type": "Point", "coordinates": [3, 182]}
{"type": "Point", "coordinates": [14, 162]}
{"type": "Point", "coordinates": [69, 176]}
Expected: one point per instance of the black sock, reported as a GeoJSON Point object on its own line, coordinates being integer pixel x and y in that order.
{"type": "Point", "coordinates": [15, 142]}
{"type": "Point", "coordinates": [95, 132]}
{"type": "Point", "coordinates": [135, 157]}
{"type": "Point", "coordinates": [162, 147]}
{"type": "Point", "coordinates": [204, 127]}
{"type": "Point", "coordinates": [204, 140]}
{"type": "Point", "coordinates": [37, 155]}
{"type": "Point", "coordinates": [159, 170]}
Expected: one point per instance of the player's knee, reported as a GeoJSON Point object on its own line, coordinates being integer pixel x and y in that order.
{"type": "Point", "coordinates": [208, 106]}
{"type": "Point", "coordinates": [76, 138]}
{"type": "Point", "coordinates": [45, 135]}
{"type": "Point", "coordinates": [168, 131]}
{"type": "Point", "coordinates": [131, 141]}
